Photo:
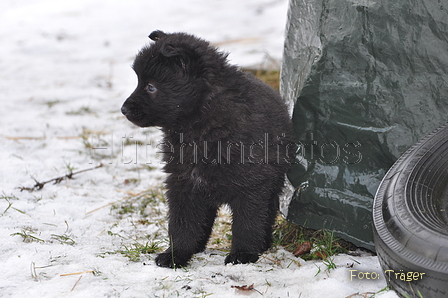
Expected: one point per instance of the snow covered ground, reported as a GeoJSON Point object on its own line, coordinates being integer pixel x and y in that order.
{"type": "Point", "coordinates": [64, 73]}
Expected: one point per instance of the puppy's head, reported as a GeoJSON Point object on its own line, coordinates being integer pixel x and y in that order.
{"type": "Point", "coordinates": [174, 74]}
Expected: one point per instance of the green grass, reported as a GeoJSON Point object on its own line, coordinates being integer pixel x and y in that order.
{"type": "Point", "coordinates": [27, 235]}
{"type": "Point", "coordinates": [141, 203]}
{"type": "Point", "coordinates": [419, 295]}
{"type": "Point", "coordinates": [143, 209]}
{"type": "Point", "coordinates": [63, 239]}
{"type": "Point", "coordinates": [324, 243]}
{"type": "Point", "coordinates": [51, 103]}
{"type": "Point", "coordinates": [9, 200]}
{"type": "Point", "coordinates": [134, 251]}
{"type": "Point", "coordinates": [136, 248]}
{"type": "Point", "coordinates": [387, 288]}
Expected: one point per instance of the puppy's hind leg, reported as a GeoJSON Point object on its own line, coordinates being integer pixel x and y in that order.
{"type": "Point", "coordinates": [250, 218]}
{"type": "Point", "coordinates": [272, 215]}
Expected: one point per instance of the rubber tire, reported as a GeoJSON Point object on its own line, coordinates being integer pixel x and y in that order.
{"type": "Point", "coordinates": [410, 217]}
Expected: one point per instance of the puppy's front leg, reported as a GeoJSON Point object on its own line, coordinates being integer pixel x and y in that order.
{"type": "Point", "coordinates": [189, 221]}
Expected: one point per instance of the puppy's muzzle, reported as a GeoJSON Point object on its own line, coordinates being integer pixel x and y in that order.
{"type": "Point", "coordinates": [132, 113]}
{"type": "Point", "coordinates": [125, 111]}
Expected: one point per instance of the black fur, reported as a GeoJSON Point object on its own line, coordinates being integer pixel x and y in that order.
{"type": "Point", "coordinates": [228, 139]}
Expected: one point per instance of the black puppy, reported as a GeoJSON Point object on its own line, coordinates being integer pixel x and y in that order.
{"type": "Point", "coordinates": [228, 139]}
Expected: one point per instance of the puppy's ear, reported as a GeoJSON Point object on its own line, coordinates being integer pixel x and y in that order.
{"type": "Point", "coordinates": [169, 51]}
{"type": "Point", "coordinates": [176, 54]}
{"type": "Point", "coordinates": [156, 35]}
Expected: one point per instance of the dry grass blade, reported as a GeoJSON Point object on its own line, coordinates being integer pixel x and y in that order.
{"type": "Point", "coordinates": [76, 283]}
{"type": "Point", "coordinates": [76, 273]}
{"type": "Point", "coordinates": [68, 137]}
{"type": "Point", "coordinates": [130, 196]}
{"type": "Point", "coordinates": [17, 139]}
{"type": "Point", "coordinates": [33, 270]}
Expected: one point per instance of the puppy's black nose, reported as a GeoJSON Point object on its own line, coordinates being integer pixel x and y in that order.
{"type": "Point", "coordinates": [124, 110]}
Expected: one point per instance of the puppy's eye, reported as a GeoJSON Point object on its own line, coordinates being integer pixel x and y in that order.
{"type": "Point", "coordinates": [150, 88]}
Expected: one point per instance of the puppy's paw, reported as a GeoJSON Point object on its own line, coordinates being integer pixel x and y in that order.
{"type": "Point", "coordinates": [241, 258]}
{"type": "Point", "coordinates": [167, 259]}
